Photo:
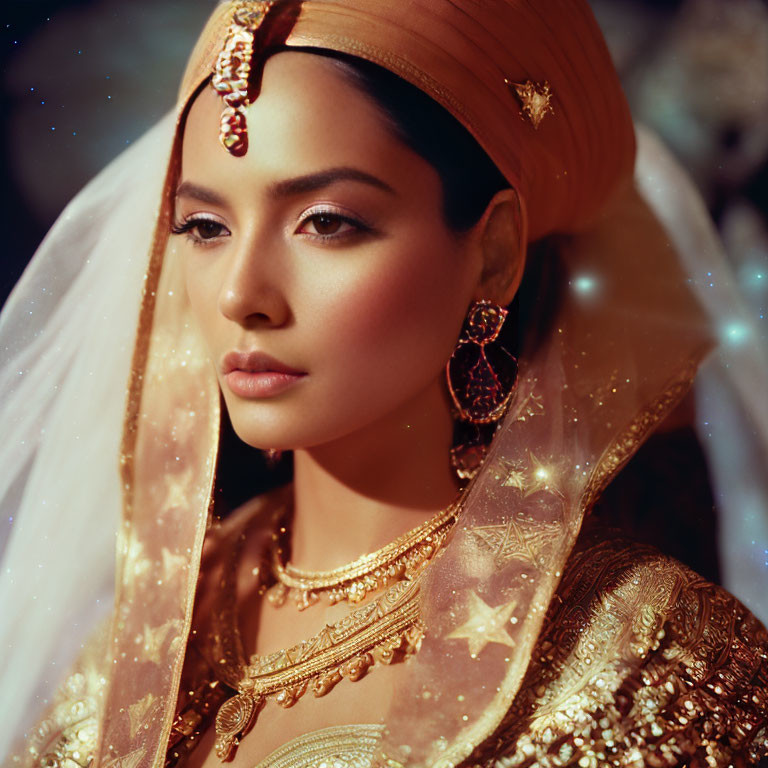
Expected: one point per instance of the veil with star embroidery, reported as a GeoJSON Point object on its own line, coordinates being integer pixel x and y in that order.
{"type": "Point", "coordinates": [613, 362]}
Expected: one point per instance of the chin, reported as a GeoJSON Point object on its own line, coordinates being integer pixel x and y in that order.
{"type": "Point", "coordinates": [281, 428]}
{"type": "Point", "coordinates": [262, 430]}
{"type": "Point", "coordinates": [287, 427]}
{"type": "Point", "coordinates": [307, 418]}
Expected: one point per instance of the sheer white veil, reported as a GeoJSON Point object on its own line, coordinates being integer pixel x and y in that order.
{"type": "Point", "coordinates": [67, 334]}
{"type": "Point", "coordinates": [731, 388]}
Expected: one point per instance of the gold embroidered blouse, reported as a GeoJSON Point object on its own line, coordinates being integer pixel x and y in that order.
{"type": "Point", "coordinates": [640, 662]}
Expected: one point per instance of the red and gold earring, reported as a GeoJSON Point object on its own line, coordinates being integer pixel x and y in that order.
{"type": "Point", "coordinates": [481, 377]}
{"type": "Point", "coordinates": [481, 374]}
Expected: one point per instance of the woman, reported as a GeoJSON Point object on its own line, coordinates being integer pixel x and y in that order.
{"type": "Point", "coordinates": [315, 264]}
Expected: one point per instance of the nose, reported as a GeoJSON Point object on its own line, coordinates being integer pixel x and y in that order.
{"type": "Point", "coordinates": [252, 291]}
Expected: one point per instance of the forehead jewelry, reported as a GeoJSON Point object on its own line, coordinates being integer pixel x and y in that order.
{"type": "Point", "coordinates": [535, 99]}
{"type": "Point", "coordinates": [233, 70]}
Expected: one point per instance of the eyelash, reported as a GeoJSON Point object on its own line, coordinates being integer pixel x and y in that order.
{"type": "Point", "coordinates": [187, 227]}
{"type": "Point", "coordinates": [358, 227]}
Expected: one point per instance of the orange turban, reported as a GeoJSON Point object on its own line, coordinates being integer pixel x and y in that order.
{"type": "Point", "coordinates": [566, 168]}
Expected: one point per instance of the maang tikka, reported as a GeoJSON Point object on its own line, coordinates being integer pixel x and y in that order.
{"type": "Point", "coordinates": [481, 378]}
{"type": "Point", "coordinates": [232, 72]}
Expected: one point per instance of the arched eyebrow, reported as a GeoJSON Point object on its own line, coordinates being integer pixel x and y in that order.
{"type": "Point", "coordinates": [201, 194]}
{"type": "Point", "coordinates": [311, 182]}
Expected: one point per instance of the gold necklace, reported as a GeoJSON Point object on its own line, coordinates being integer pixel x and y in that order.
{"type": "Point", "coordinates": [385, 630]}
{"type": "Point", "coordinates": [380, 632]}
{"type": "Point", "coordinates": [402, 558]}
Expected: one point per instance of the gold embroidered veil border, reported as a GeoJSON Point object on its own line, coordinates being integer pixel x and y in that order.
{"type": "Point", "coordinates": [619, 351]}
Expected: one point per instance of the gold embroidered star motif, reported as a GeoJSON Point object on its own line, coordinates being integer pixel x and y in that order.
{"type": "Point", "coordinates": [172, 564]}
{"type": "Point", "coordinates": [485, 625]}
{"type": "Point", "coordinates": [132, 549]}
{"type": "Point", "coordinates": [131, 760]}
{"type": "Point", "coordinates": [511, 475]}
{"type": "Point", "coordinates": [533, 406]}
{"type": "Point", "coordinates": [153, 640]}
{"type": "Point", "coordinates": [535, 99]}
{"type": "Point", "coordinates": [136, 564]}
{"type": "Point", "coordinates": [137, 713]}
{"type": "Point", "coordinates": [176, 490]}
{"type": "Point", "coordinates": [521, 540]}
{"type": "Point", "coordinates": [536, 477]}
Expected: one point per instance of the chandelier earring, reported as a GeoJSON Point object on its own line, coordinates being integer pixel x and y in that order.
{"type": "Point", "coordinates": [481, 376]}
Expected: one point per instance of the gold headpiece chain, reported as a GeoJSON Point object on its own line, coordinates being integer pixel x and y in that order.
{"type": "Point", "coordinates": [232, 73]}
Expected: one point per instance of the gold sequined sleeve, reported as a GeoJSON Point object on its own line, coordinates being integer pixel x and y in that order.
{"type": "Point", "coordinates": [67, 735]}
{"type": "Point", "coordinates": [641, 663]}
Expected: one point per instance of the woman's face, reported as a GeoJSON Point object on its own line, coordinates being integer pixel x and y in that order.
{"type": "Point", "coordinates": [321, 257]}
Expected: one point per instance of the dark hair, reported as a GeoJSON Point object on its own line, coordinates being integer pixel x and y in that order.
{"type": "Point", "coordinates": [469, 177]}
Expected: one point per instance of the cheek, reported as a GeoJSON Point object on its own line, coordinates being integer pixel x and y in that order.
{"type": "Point", "coordinates": [395, 326]}
{"type": "Point", "coordinates": [202, 293]}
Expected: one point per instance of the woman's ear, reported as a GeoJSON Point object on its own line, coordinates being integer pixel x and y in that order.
{"type": "Point", "coordinates": [500, 237]}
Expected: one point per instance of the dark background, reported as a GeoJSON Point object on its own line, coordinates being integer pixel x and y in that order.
{"type": "Point", "coordinates": [82, 79]}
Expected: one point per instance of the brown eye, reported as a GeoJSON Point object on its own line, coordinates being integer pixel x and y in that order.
{"type": "Point", "coordinates": [201, 230]}
{"type": "Point", "coordinates": [331, 227]}
{"type": "Point", "coordinates": [207, 230]}
{"type": "Point", "coordinates": [326, 224]}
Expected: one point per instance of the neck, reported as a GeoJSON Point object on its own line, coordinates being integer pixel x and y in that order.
{"type": "Point", "coordinates": [362, 491]}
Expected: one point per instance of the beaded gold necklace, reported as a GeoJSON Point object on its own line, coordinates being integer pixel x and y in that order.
{"type": "Point", "coordinates": [402, 558]}
{"type": "Point", "coordinates": [383, 631]}
{"type": "Point", "coordinates": [379, 632]}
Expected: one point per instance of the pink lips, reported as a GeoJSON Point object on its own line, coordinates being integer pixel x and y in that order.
{"type": "Point", "coordinates": [257, 375]}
